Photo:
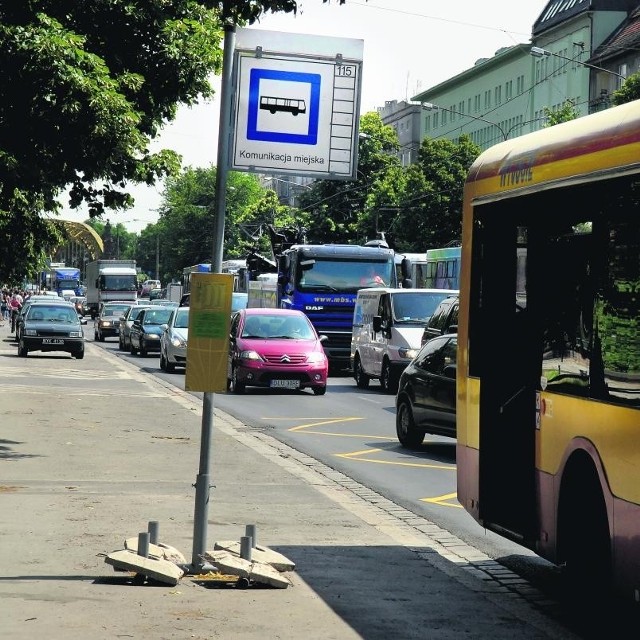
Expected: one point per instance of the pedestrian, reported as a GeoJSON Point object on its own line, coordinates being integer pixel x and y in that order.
{"type": "Point", "coordinates": [15, 304]}
{"type": "Point", "coordinates": [4, 306]}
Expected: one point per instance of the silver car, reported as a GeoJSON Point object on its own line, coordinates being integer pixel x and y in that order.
{"type": "Point", "coordinates": [173, 343]}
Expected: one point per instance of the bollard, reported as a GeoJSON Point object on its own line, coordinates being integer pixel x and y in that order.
{"type": "Point", "coordinates": [250, 530]}
{"type": "Point", "coordinates": [245, 548]}
{"type": "Point", "coordinates": [143, 544]}
{"type": "Point", "coordinates": [153, 529]}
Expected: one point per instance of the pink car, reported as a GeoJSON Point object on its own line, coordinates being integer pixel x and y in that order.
{"type": "Point", "coordinates": [277, 349]}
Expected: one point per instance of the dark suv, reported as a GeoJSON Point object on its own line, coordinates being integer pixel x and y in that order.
{"type": "Point", "coordinates": [444, 319]}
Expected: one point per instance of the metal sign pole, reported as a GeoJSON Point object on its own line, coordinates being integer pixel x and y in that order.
{"type": "Point", "coordinates": [203, 483]}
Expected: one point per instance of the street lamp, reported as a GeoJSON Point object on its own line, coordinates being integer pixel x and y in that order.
{"type": "Point", "coordinates": [538, 52]}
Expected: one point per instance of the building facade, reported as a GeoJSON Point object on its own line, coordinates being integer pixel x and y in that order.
{"type": "Point", "coordinates": [580, 52]}
{"type": "Point", "coordinates": [404, 117]}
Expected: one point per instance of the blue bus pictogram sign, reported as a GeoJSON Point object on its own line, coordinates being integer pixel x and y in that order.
{"type": "Point", "coordinates": [304, 101]}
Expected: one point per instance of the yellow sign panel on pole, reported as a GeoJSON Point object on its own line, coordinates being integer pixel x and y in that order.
{"type": "Point", "coordinates": [208, 344]}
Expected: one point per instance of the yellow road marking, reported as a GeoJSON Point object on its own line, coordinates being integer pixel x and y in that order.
{"type": "Point", "coordinates": [355, 455]}
{"type": "Point", "coordinates": [317, 424]}
{"type": "Point", "coordinates": [442, 500]}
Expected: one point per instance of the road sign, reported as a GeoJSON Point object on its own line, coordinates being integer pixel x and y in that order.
{"type": "Point", "coordinates": [296, 105]}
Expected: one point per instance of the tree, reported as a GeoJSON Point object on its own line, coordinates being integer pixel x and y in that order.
{"type": "Point", "coordinates": [186, 224]}
{"type": "Point", "coordinates": [430, 213]}
{"type": "Point", "coordinates": [85, 88]}
{"type": "Point", "coordinates": [564, 113]}
{"type": "Point", "coordinates": [343, 211]}
{"type": "Point", "coordinates": [629, 91]}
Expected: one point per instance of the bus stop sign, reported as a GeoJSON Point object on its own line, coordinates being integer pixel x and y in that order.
{"type": "Point", "coordinates": [297, 100]}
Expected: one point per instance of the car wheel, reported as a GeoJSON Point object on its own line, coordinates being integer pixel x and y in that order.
{"type": "Point", "coordinates": [319, 391]}
{"type": "Point", "coordinates": [408, 435]}
{"type": "Point", "coordinates": [79, 355]}
{"type": "Point", "coordinates": [22, 349]}
{"type": "Point", "coordinates": [143, 351]}
{"type": "Point", "coordinates": [163, 362]}
{"type": "Point", "coordinates": [237, 387]}
{"type": "Point", "coordinates": [361, 378]}
{"type": "Point", "coordinates": [170, 366]}
{"type": "Point", "coordinates": [388, 380]}
{"type": "Point", "coordinates": [100, 336]}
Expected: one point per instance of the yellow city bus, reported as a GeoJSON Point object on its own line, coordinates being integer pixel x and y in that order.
{"type": "Point", "coordinates": [548, 420]}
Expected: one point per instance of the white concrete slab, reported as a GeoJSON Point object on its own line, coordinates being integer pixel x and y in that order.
{"type": "Point", "coordinates": [258, 553]}
{"type": "Point", "coordinates": [158, 569]}
{"type": "Point", "coordinates": [160, 550]}
{"type": "Point", "coordinates": [251, 570]}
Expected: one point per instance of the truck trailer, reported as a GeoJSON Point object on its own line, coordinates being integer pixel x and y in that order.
{"type": "Point", "coordinates": [109, 280]}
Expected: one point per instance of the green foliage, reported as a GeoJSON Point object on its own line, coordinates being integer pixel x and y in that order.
{"type": "Point", "coordinates": [186, 226]}
{"type": "Point", "coordinates": [430, 213]}
{"type": "Point", "coordinates": [85, 87]}
{"type": "Point", "coordinates": [629, 91]}
{"type": "Point", "coordinates": [564, 113]}
{"type": "Point", "coordinates": [344, 211]}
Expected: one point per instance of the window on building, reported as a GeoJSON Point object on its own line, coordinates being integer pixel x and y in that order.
{"type": "Point", "coordinates": [444, 118]}
{"type": "Point", "coordinates": [461, 106]}
{"type": "Point", "coordinates": [520, 85]}
{"type": "Point", "coordinates": [498, 95]}
{"type": "Point", "coordinates": [427, 123]}
{"type": "Point", "coordinates": [436, 122]}
{"type": "Point", "coordinates": [476, 103]}
{"type": "Point", "coordinates": [487, 99]}
{"type": "Point", "coordinates": [508, 90]}
{"type": "Point", "coordinates": [623, 70]}
{"type": "Point", "coordinates": [469, 105]}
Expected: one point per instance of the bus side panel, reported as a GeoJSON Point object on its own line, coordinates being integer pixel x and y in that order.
{"type": "Point", "coordinates": [468, 490]}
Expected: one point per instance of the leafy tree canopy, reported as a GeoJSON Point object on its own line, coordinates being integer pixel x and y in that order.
{"type": "Point", "coordinates": [629, 91]}
{"type": "Point", "coordinates": [186, 225]}
{"type": "Point", "coordinates": [342, 211]}
{"type": "Point", "coordinates": [85, 87]}
{"type": "Point", "coordinates": [430, 213]}
{"type": "Point", "coordinates": [564, 113]}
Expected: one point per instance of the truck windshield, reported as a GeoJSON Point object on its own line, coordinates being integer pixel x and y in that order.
{"type": "Point", "coordinates": [344, 275]}
{"type": "Point", "coordinates": [118, 283]}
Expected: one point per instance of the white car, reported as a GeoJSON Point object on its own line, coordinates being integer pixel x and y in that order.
{"type": "Point", "coordinates": [173, 342]}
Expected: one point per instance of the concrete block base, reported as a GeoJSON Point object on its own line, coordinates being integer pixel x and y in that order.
{"type": "Point", "coordinates": [157, 569]}
{"type": "Point", "coordinates": [259, 554]}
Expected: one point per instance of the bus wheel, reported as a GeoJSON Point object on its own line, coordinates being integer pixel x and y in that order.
{"type": "Point", "coordinates": [361, 378]}
{"type": "Point", "coordinates": [408, 435]}
{"type": "Point", "coordinates": [583, 533]}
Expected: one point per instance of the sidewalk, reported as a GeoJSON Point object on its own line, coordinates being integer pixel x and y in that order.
{"type": "Point", "coordinates": [92, 450]}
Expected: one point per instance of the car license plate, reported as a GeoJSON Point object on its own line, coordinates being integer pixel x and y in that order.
{"type": "Point", "coordinates": [285, 384]}
{"type": "Point", "coordinates": [52, 341]}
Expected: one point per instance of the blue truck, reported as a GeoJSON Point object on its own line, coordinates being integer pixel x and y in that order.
{"type": "Point", "coordinates": [59, 278]}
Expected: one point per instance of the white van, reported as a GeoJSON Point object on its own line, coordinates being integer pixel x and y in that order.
{"type": "Point", "coordinates": [387, 331]}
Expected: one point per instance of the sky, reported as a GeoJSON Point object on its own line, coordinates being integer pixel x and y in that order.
{"type": "Point", "coordinates": [409, 46]}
